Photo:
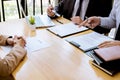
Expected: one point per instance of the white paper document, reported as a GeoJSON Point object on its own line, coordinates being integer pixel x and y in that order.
{"type": "Point", "coordinates": [66, 29]}
{"type": "Point", "coordinates": [33, 44]}
{"type": "Point", "coordinates": [88, 41]}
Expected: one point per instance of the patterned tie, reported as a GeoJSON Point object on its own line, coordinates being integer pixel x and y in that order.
{"type": "Point", "coordinates": [79, 8]}
{"type": "Point", "coordinates": [117, 36]}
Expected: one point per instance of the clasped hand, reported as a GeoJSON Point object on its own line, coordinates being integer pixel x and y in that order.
{"type": "Point", "coordinates": [16, 41]}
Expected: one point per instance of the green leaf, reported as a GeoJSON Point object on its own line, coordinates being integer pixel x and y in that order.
{"type": "Point", "coordinates": [32, 20]}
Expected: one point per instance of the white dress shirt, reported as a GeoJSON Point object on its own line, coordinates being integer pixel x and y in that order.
{"type": "Point", "coordinates": [83, 9]}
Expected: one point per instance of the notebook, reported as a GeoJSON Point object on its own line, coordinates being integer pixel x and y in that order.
{"type": "Point", "coordinates": [88, 41]}
{"type": "Point", "coordinates": [66, 29]}
{"type": "Point", "coordinates": [106, 68]}
{"type": "Point", "coordinates": [41, 21]}
{"type": "Point", "coordinates": [109, 53]}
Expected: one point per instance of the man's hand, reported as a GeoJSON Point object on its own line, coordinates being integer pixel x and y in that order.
{"type": "Point", "coordinates": [50, 11]}
{"type": "Point", "coordinates": [91, 22]}
{"type": "Point", "coordinates": [109, 44]}
{"type": "Point", "coordinates": [76, 20]}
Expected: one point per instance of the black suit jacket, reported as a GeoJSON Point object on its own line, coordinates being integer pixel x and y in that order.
{"type": "Point", "coordinates": [117, 36]}
{"type": "Point", "coordinates": [95, 8]}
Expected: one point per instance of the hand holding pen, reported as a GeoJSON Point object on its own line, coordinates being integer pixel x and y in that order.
{"type": "Point", "coordinates": [51, 12]}
{"type": "Point", "coordinates": [91, 22]}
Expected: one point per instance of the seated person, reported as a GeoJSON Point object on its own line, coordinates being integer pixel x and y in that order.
{"type": "Point", "coordinates": [107, 22]}
{"type": "Point", "coordinates": [15, 56]}
{"type": "Point", "coordinates": [78, 10]}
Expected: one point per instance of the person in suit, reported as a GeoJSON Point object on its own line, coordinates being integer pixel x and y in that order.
{"type": "Point", "coordinates": [78, 10]}
{"type": "Point", "coordinates": [15, 56]}
{"type": "Point", "coordinates": [107, 22]}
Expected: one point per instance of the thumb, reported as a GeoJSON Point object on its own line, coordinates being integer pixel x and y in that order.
{"type": "Point", "coordinates": [83, 23]}
{"type": "Point", "coordinates": [89, 21]}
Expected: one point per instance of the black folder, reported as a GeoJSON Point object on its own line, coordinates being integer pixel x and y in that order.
{"type": "Point", "coordinates": [106, 68]}
{"type": "Point", "coordinates": [111, 67]}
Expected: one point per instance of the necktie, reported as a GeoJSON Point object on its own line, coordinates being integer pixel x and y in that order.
{"type": "Point", "coordinates": [117, 36]}
{"type": "Point", "coordinates": [79, 8]}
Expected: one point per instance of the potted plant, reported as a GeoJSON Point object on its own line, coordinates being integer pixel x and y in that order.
{"type": "Point", "coordinates": [32, 25]}
{"type": "Point", "coordinates": [32, 20]}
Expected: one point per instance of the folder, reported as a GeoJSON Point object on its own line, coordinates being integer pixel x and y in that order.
{"type": "Point", "coordinates": [101, 61]}
{"type": "Point", "coordinates": [109, 53]}
{"type": "Point", "coordinates": [88, 41]}
{"type": "Point", "coordinates": [66, 29]}
{"type": "Point", "coordinates": [110, 67]}
{"type": "Point", "coordinates": [106, 68]}
{"type": "Point", "coordinates": [41, 21]}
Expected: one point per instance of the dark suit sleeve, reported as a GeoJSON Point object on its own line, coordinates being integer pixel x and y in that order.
{"type": "Point", "coordinates": [60, 7]}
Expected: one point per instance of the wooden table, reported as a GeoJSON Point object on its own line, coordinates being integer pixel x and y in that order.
{"type": "Point", "coordinates": [59, 61]}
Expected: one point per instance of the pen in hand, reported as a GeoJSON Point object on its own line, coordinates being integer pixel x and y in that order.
{"type": "Point", "coordinates": [58, 15]}
{"type": "Point", "coordinates": [54, 11]}
{"type": "Point", "coordinates": [87, 23]}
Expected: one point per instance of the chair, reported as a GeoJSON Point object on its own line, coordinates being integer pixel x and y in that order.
{"type": "Point", "coordinates": [2, 3]}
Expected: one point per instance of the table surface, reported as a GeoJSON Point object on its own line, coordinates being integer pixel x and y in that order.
{"type": "Point", "coordinates": [59, 61]}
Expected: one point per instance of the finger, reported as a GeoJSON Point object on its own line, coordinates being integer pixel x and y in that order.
{"type": "Point", "coordinates": [15, 37]}
{"type": "Point", "coordinates": [49, 10]}
{"type": "Point", "coordinates": [50, 6]}
{"type": "Point", "coordinates": [88, 25]}
{"type": "Point", "coordinates": [24, 39]}
{"type": "Point", "coordinates": [84, 23]}
{"type": "Point", "coordinates": [104, 44]}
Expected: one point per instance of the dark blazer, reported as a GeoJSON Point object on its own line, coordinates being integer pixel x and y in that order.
{"type": "Point", "coordinates": [117, 36]}
{"type": "Point", "coordinates": [95, 8]}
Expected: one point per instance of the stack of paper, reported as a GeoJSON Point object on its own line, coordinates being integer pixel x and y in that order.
{"type": "Point", "coordinates": [66, 29]}
{"type": "Point", "coordinates": [88, 41]}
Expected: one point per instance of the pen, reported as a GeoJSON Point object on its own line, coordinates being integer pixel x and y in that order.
{"type": "Point", "coordinates": [59, 21]}
{"type": "Point", "coordinates": [90, 27]}
{"type": "Point", "coordinates": [56, 13]}
{"type": "Point", "coordinates": [51, 4]}
{"type": "Point", "coordinates": [95, 58]}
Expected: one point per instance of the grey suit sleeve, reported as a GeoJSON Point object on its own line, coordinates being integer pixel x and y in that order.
{"type": "Point", "coordinates": [109, 22]}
